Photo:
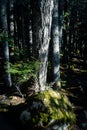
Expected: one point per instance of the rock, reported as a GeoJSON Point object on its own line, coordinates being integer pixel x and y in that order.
{"type": "Point", "coordinates": [25, 116]}
{"type": "Point", "coordinates": [48, 109]}
{"type": "Point", "coordinates": [84, 126]}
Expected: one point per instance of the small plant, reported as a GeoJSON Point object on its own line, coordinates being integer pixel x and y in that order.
{"type": "Point", "coordinates": [23, 71]}
{"type": "Point", "coordinates": [4, 37]}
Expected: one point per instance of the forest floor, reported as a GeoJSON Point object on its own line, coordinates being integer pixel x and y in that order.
{"type": "Point", "coordinates": [74, 81]}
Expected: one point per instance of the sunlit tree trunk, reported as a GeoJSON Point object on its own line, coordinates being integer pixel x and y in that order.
{"type": "Point", "coordinates": [56, 44]}
{"type": "Point", "coordinates": [42, 19]}
{"type": "Point", "coordinates": [5, 42]}
{"type": "Point", "coordinates": [60, 19]}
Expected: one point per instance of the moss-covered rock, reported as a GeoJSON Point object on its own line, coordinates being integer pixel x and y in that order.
{"type": "Point", "coordinates": [48, 108]}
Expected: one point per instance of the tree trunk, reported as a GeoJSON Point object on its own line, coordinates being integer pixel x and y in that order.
{"type": "Point", "coordinates": [42, 18]}
{"type": "Point", "coordinates": [5, 42]}
{"type": "Point", "coordinates": [10, 6]}
{"type": "Point", "coordinates": [56, 44]}
{"type": "Point", "coordinates": [60, 19]}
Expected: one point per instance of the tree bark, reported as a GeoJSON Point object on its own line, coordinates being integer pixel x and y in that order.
{"type": "Point", "coordinates": [5, 42]}
{"type": "Point", "coordinates": [42, 19]}
{"type": "Point", "coordinates": [56, 44]}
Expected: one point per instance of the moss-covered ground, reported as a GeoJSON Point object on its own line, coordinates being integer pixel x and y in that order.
{"type": "Point", "coordinates": [49, 107]}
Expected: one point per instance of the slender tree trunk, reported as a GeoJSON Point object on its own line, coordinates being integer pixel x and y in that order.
{"type": "Point", "coordinates": [30, 34]}
{"type": "Point", "coordinates": [60, 19]}
{"type": "Point", "coordinates": [42, 18]}
{"type": "Point", "coordinates": [56, 44]}
{"type": "Point", "coordinates": [5, 42]}
{"type": "Point", "coordinates": [10, 6]}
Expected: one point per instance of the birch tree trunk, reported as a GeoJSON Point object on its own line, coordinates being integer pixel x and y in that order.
{"type": "Point", "coordinates": [56, 44]}
{"type": "Point", "coordinates": [42, 19]}
{"type": "Point", "coordinates": [5, 42]}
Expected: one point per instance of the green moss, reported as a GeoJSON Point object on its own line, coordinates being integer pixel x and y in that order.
{"type": "Point", "coordinates": [50, 105]}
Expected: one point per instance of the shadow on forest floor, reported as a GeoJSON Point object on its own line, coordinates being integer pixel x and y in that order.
{"type": "Point", "coordinates": [10, 108]}
{"type": "Point", "coordinates": [74, 81]}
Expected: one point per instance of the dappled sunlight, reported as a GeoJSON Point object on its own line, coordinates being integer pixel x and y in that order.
{"type": "Point", "coordinates": [10, 101]}
{"type": "Point", "coordinates": [47, 106]}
